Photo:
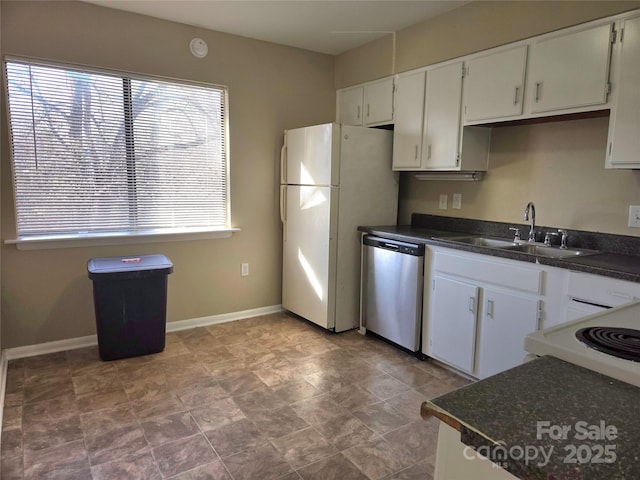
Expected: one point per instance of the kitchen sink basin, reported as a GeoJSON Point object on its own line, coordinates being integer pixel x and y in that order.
{"type": "Point", "coordinates": [553, 252]}
{"type": "Point", "coordinates": [482, 241]}
{"type": "Point", "coordinates": [524, 247]}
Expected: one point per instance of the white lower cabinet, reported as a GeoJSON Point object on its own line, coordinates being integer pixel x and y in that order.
{"type": "Point", "coordinates": [479, 311]}
{"type": "Point", "coordinates": [452, 336]}
{"type": "Point", "coordinates": [587, 294]}
{"type": "Point", "coordinates": [506, 319]}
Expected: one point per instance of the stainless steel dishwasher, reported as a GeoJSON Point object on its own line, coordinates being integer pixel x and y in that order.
{"type": "Point", "coordinates": [392, 277]}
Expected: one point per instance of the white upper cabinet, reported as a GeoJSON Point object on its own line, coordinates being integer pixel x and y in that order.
{"type": "Point", "coordinates": [443, 96]}
{"type": "Point", "coordinates": [378, 102]}
{"type": "Point", "coordinates": [494, 85]}
{"type": "Point", "coordinates": [624, 123]}
{"type": "Point", "coordinates": [407, 130]}
{"type": "Point", "coordinates": [428, 133]}
{"type": "Point", "coordinates": [367, 104]}
{"type": "Point", "coordinates": [570, 70]}
{"type": "Point", "coordinates": [443, 119]}
{"type": "Point", "coordinates": [350, 105]}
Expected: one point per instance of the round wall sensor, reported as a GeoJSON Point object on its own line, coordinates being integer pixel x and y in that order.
{"type": "Point", "coordinates": [198, 48]}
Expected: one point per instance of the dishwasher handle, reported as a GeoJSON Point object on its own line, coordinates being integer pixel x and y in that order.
{"type": "Point", "coordinates": [394, 245]}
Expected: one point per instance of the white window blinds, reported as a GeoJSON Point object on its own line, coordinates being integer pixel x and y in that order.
{"type": "Point", "coordinates": [99, 153]}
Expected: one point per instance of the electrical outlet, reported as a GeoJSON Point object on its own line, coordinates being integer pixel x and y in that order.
{"type": "Point", "coordinates": [456, 202]}
{"type": "Point", "coordinates": [443, 202]}
{"type": "Point", "coordinates": [244, 269]}
{"type": "Point", "coordinates": [634, 215]}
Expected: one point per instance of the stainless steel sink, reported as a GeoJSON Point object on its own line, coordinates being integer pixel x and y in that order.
{"type": "Point", "coordinates": [553, 252]}
{"type": "Point", "coordinates": [523, 247]}
{"type": "Point", "coordinates": [481, 241]}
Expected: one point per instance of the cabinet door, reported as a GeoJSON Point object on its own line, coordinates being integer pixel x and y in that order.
{"type": "Point", "coordinates": [407, 131]}
{"type": "Point", "coordinates": [452, 326]}
{"type": "Point", "coordinates": [378, 102]}
{"type": "Point", "coordinates": [350, 106]}
{"type": "Point", "coordinates": [506, 319]}
{"type": "Point", "coordinates": [443, 97]}
{"type": "Point", "coordinates": [570, 70]}
{"type": "Point", "coordinates": [625, 116]}
{"type": "Point", "coordinates": [493, 85]}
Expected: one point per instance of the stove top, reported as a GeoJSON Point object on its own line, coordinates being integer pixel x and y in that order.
{"type": "Point", "coordinates": [590, 342]}
{"type": "Point", "coordinates": [616, 341]}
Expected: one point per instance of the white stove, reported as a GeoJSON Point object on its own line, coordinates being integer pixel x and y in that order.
{"type": "Point", "coordinates": [561, 342]}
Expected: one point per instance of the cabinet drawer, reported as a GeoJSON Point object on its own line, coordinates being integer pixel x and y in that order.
{"type": "Point", "coordinates": [498, 273]}
{"type": "Point", "coordinates": [606, 291]}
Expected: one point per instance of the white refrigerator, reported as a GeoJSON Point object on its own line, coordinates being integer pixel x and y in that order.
{"type": "Point", "coordinates": [333, 179]}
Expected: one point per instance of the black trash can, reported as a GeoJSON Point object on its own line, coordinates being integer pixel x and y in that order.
{"type": "Point", "coordinates": [130, 299]}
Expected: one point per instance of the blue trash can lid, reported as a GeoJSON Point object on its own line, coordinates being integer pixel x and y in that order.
{"type": "Point", "coordinates": [103, 266]}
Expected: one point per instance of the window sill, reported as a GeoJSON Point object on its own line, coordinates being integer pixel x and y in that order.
{"type": "Point", "coordinates": [42, 242]}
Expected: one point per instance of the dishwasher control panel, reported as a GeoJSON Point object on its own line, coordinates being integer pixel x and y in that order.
{"type": "Point", "coordinates": [396, 246]}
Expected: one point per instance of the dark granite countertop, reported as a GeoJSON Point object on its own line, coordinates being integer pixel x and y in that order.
{"type": "Point", "coordinates": [521, 409]}
{"type": "Point", "coordinates": [620, 258]}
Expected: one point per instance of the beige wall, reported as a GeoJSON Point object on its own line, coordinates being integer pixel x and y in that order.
{"type": "Point", "coordinates": [46, 294]}
{"type": "Point", "coordinates": [369, 62]}
{"type": "Point", "coordinates": [476, 26]}
{"type": "Point", "coordinates": [559, 166]}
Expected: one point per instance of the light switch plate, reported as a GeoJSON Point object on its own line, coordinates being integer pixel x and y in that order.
{"type": "Point", "coordinates": [443, 202]}
{"type": "Point", "coordinates": [456, 202]}
{"type": "Point", "coordinates": [634, 215]}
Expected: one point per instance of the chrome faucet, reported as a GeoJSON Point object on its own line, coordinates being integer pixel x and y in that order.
{"type": "Point", "coordinates": [532, 232]}
{"type": "Point", "coordinates": [563, 240]}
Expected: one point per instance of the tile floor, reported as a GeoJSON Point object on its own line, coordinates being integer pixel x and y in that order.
{"type": "Point", "coordinates": [264, 398]}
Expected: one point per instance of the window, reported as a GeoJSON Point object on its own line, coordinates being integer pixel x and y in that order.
{"type": "Point", "coordinates": [99, 153]}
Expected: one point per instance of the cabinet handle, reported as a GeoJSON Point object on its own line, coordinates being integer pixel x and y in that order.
{"type": "Point", "coordinates": [490, 308]}
{"type": "Point", "coordinates": [472, 301]}
{"type": "Point", "coordinates": [515, 98]}
{"type": "Point", "coordinates": [538, 90]}
{"type": "Point", "coordinates": [429, 152]}
{"type": "Point", "coordinates": [626, 296]}
{"type": "Point", "coordinates": [368, 110]}
{"type": "Point", "coordinates": [358, 112]}
{"type": "Point", "coordinates": [415, 155]}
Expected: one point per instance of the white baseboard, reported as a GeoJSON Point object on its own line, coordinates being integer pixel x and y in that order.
{"type": "Point", "coordinates": [50, 347]}
{"type": "Point", "coordinates": [221, 318]}
{"type": "Point", "coordinates": [3, 388]}
{"type": "Point", "coordinates": [80, 342]}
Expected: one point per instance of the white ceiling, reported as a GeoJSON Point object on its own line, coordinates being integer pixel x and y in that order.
{"type": "Point", "coordinates": [326, 26]}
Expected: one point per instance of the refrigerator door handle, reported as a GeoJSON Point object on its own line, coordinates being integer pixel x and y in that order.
{"type": "Point", "coordinates": [283, 155]}
{"type": "Point", "coordinates": [283, 211]}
